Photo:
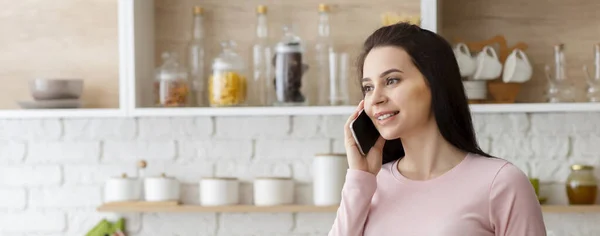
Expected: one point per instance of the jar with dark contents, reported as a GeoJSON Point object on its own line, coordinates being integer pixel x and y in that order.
{"type": "Point", "coordinates": [171, 85]}
{"type": "Point", "coordinates": [581, 185]}
{"type": "Point", "coordinates": [289, 68]}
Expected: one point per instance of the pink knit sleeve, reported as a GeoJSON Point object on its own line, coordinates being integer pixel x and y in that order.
{"type": "Point", "coordinates": [357, 192]}
{"type": "Point", "coordinates": [514, 207]}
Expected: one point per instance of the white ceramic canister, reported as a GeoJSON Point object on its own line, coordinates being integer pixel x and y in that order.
{"type": "Point", "coordinates": [122, 188]}
{"type": "Point", "coordinates": [271, 191]}
{"type": "Point", "coordinates": [161, 188]}
{"type": "Point", "coordinates": [329, 174]}
{"type": "Point", "coordinates": [219, 191]}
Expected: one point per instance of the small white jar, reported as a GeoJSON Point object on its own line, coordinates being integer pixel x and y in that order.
{"type": "Point", "coordinates": [219, 191]}
{"type": "Point", "coordinates": [161, 188]}
{"type": "Point", "coordinates": [271, 191]}
{"type": "Point", "coordinates": [329, 174]}
{"type": "Point", "coordinates": [122, 188]}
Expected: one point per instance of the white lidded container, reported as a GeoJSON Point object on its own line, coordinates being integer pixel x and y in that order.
{"type": "Point", "coordinates": [329, 174]}
{"type": "Point", "coordinates": [122, 188]}
{"type": "Point", "coordinates": [161, 188]}
{"type": "Point", "coordinates": [219, 191]}
{"type": "Point", "coordinates": [271, 191]}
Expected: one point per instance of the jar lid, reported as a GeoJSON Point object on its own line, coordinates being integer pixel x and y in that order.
{"type": "Point", "coordinates": [161, 176]}
{"type": "Point", "coordinates": [272, 178]}
{"type": "Point", "coordinates": [123, 176]}
{"type": "Point", "coordinates": [228, 58]}
{"type": "Point", "coordinates": [581, 167]}
{"type": "Point", "coordinates": [219, 178]}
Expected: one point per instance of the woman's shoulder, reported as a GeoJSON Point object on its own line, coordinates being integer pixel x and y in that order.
{"type": "Point", "coordinates": [501, 170]}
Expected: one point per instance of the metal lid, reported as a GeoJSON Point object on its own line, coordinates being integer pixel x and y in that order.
{"type": "Point", "coordinates": [261, 9]}
{"type": "Point", "coordinates": [323, 7]}
{"type": "Point", "coordinates": [581, 167]}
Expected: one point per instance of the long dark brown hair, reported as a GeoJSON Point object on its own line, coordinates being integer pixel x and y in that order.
{"type": "Point", "coordinates": [435, 59]}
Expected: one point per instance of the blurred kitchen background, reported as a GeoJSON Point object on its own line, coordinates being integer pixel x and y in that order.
{"type": "Point", "coordinates": [58, 173]}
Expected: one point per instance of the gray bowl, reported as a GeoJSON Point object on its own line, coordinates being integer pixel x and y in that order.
{"type": "Point", "coordinates": [51, 89]}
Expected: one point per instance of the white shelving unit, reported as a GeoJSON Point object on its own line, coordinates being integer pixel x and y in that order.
{"type": "Point", "coordinates": [136, 68]}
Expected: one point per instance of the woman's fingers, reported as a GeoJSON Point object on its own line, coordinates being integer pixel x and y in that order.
{"type": "Point", "coordinates": [347, 131]}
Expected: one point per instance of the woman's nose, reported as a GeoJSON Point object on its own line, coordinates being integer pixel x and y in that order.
{"type": "Point", "coordinates": [379, 96]}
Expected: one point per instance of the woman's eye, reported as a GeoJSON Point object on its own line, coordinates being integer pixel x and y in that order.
{"type": "Point", "coordinates": [367, 88]}
{"type": "Point", "coordinates": [392, 81]}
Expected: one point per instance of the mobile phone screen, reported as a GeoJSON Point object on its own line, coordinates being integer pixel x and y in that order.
{"type": "Point", "coordinates": [365, 133]}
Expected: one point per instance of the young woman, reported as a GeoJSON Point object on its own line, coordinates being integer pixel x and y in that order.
{"type": "Point", "coordinates": [442, 183]}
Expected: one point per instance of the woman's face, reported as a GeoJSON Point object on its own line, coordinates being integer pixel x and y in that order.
{"type": "Point", "coordinates": [397, 97]}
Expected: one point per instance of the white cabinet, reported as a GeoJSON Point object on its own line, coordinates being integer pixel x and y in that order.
{"type": "Point", "coordinates": [137, 50]}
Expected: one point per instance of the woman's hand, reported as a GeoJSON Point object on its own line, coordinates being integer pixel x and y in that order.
{"type": "Point", "coordinates": [372, 162]}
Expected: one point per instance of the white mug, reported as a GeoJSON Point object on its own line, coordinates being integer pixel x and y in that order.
{"type": "Point", "coordinates": [465, 61]}
{"type": "Point", "coordinates": [219, 191]}
{"type": "Point", "coordinates": [517, 67]}
{"type": "Point", "coordinates": [488, 65]}
{"type": "Point", "coordinates": [161, 188]}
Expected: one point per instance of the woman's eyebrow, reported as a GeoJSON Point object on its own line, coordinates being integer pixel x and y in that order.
{"type": "Point", "coordinates": [382, 74]}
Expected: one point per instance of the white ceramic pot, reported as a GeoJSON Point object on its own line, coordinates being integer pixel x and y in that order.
{"type": "Point", "coordinates": [271, 191]}
{"type": "Point", "coordinates": [475, 90]}
{"type": "Point", "coordinates": [219, 191]}
{"type": "Point", "coordinates": [161, 188]}
{"type": "Point", "coordinates": [329, 175]}
{"type": "Point", "coordinates": [122, 188]}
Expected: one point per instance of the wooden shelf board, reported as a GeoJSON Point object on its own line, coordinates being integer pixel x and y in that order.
{"type": "Point", "coordinates": [148, 207]}
{"type": "Point", "coordinates": [571, 209]}
{"type": "Point", "coordinates": [199, 208]}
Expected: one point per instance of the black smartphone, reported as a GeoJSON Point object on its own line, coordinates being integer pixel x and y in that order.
{"type": "Point", "coordinates": [365, 135]}
{"type": "Point", "coordinates": [364, 132]}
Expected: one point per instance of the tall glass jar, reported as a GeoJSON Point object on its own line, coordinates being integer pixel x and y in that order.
{"type": "Point", "coordinates": [227, 85]}
{"type": "Point", "coordinates": [289, 70]}
{"type": "Point", "coordinates": [171, 85]}
{"type": "Point", "coordinates": [581, 185]}
{"type": "Point", "coordinates": [196, 60]}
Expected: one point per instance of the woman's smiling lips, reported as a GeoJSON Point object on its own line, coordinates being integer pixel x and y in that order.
{"type": "Point", "coordinates": [385, 116]}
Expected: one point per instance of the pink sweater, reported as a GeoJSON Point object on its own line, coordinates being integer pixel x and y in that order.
{"type": "Point", "coordinates": [480, 196]}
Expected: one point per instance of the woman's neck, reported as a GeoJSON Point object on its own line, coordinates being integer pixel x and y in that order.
{"type": "Point", "coordinates": [428, 154]}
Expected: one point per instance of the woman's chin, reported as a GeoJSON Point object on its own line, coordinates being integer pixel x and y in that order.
{"type": "Point", "coordinates": [389, 134]}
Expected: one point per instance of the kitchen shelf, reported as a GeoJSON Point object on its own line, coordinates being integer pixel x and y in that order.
{"type": "Point", "coordinates": [143, 208]}
{"type": "Point", "coordinates": [571, 208]}
{"type": "Point", "coordinates": [198, 208]}
{"type": "Point", "coordinates": [62, 113]}
{"type": "Point", "coordinates": [347, 110]}
{"type": "Point", "coordinates": [275, 111]}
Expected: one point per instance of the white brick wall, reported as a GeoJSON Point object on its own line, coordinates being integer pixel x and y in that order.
{"type": "Point", "coordinates": [52, 170]}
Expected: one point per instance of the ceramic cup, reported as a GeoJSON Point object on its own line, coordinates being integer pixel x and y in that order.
{"type": "Point", "coordinates": [271, 191]}
{"type": "Point", "coordinates": [219, 191]}
{"type": "Point", "coordinates": [517, 67]}
{"type": "Point", "coordinates": [466, 63]}
{"type": "Point", "coordinates": [161, 188]}
{"type": "Point", "coordinates": [122, 188]}
{"type": "Point", "coordinates": [488, 65]}
{"type": "Point", "coordinates": [475, 90]}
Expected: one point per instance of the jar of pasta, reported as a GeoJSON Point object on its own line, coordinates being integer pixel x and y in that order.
{"type": "Point", "coordinates": [227, 85]}
{"type": "Point", "coordinates": [171, 85]}
{"type": "Point", "coordinates": [581, 185]}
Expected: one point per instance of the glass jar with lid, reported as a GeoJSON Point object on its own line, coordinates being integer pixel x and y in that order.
{"type": "Point", "coordinates": [171, 85]}
{"type": "Point", "coordinates": [227, 85]}
{"type": "Point", "coordinates": [581, 185]}
{"type": "Point", "coordinates": [289, 69]}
